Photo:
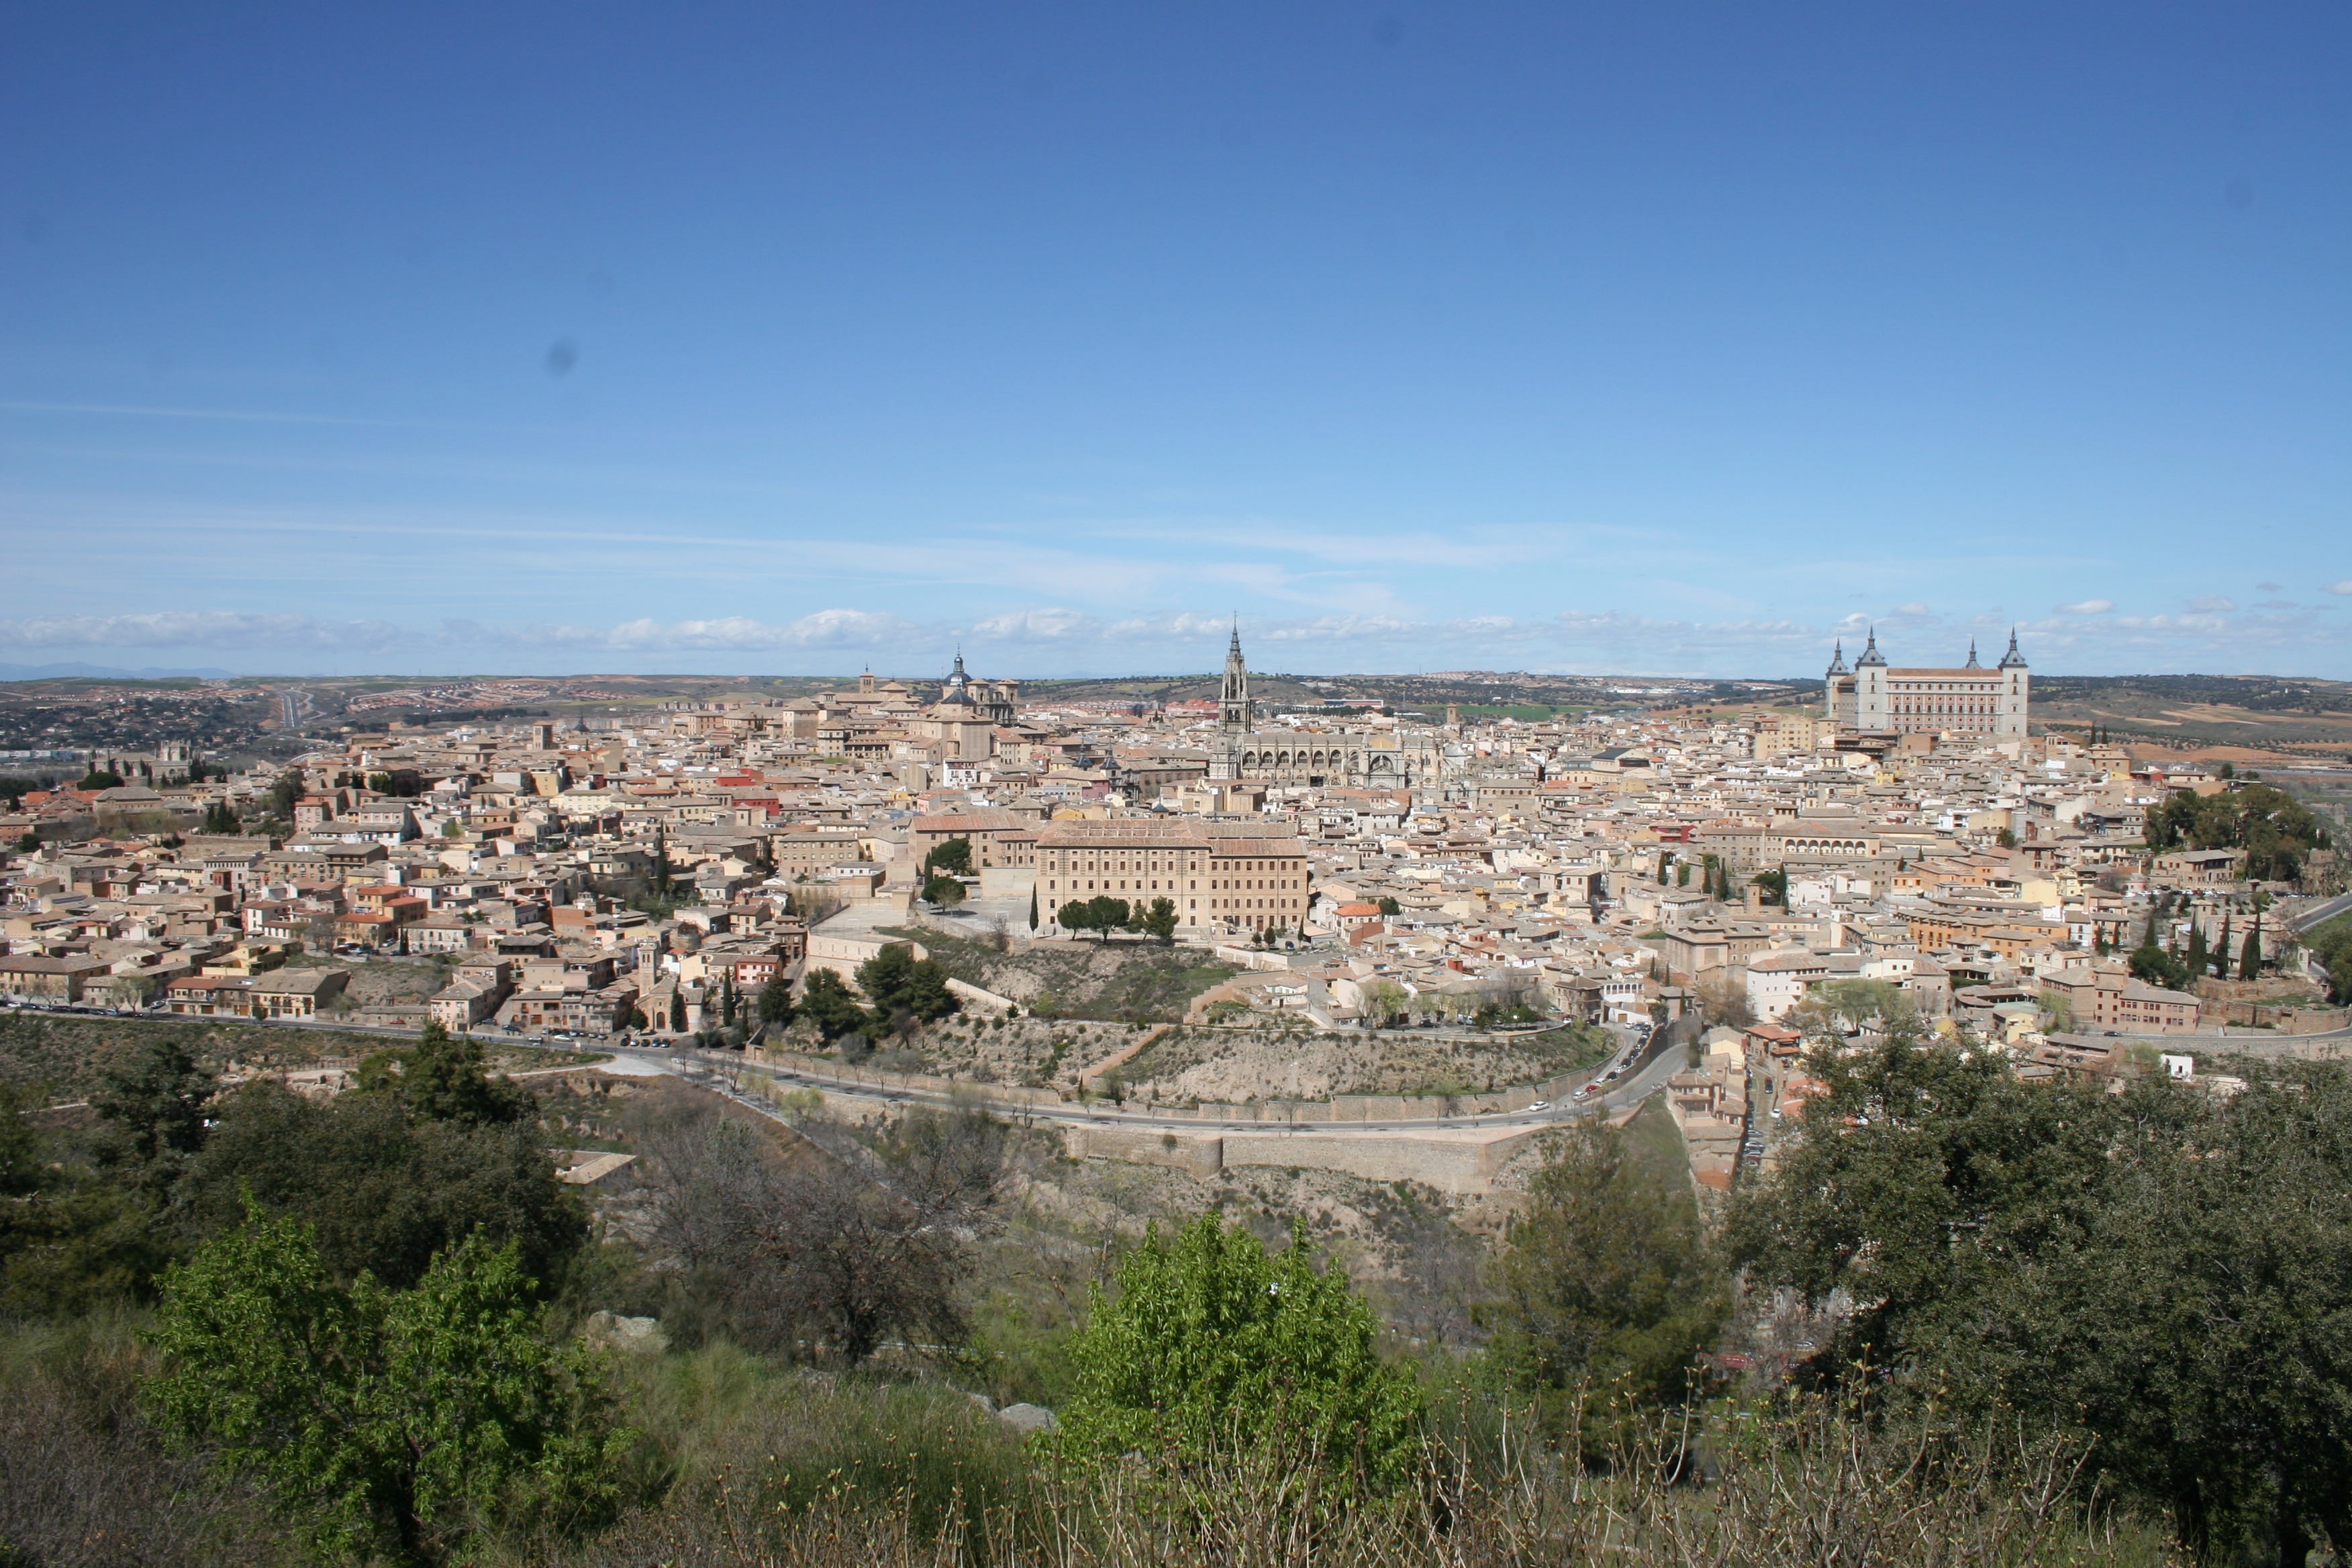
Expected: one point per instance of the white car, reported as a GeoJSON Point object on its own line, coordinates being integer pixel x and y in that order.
{"type": "Point", "coordinates": [1541, 1105]}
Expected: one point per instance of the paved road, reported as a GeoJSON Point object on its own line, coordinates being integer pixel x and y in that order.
{"type": "Point", "coordinates": [1659, 1064]}
{"type": "Point", "coordinates": [2304, 922]}
{"type": "Point", "coordinates": [1660, 1061]}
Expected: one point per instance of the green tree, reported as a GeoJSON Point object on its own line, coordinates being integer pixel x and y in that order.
{"type": "Point", "coordinates": [1211, 1342]}
{"type": "Point", "coordinates": [1102, 913]}
{"type": "Point", "coordinates": [1385, 1002]}
{"type": "Point", "coordinates": [2152, 963]}
{"type": "Point", "coordinates": [149, 1100]}
{"type": "Point", "coordinates": [1160, 921]}
{"type": "Point", "coordinates": [951, 857]}
{"type": "Point", "coordinates": [1389, 907]}
{"type": "Point", "coordinates": [392, 1421]}
{"type": "Point", "coordinates": [2158, 1268]}
{"type": "Point", "coordinates": [284, 793]}
{"type": "Point", "coordinates": [383, 1191]}
{"type": "Point", "coordinates": [677, 1012]}
{"type": "Point", "coordinates": [220, 819]}
{"type": "Point", "coordinates": [830, 1005]}
{"type": "Point", "coordinates": [2195, 962]}
{"type": "Point", "coordinates": [1033, 906]}
{"type": "Point", "coordinates": [2272, 828]}
{"type": "Point", "coordinates": [2331, 943]}
{"type": "Point", "coordinates": [896, 982]}
{"type": "Point", "coordinates": [1606, 1282]}
{"type": "Point", "coordinates": [71, 1239]}
{"type": "Point", "coordinates": [2250, 958]}
{"type": "Point", "coordinates": [775, 1002]}
{"type": "Point", "coordinates": [442, 1079]}
{"type": "Point", "coordinates": [100, 778]}
{"type": "Point", "coordinates": [943, 890]}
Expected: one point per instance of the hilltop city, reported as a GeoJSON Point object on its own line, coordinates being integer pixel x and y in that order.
{"type": "Point", "coordinates": [1910, 833]}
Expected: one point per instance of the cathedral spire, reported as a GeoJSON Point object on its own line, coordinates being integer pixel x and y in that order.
{"type": "Point", "coordinates": [1972, 663]}
{"type": "Point", "coordinates": [1235, 715]}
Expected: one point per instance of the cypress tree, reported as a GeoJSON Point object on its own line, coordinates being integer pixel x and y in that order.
{"type": "Point", "coordinates": [2250, 961]}
{"type": "Point", "coordinates": [2222, 951]}
{"type": "Point", "coordinates": [2195, 958]}
{"type": "Point", "coordinates": [1033, 906]}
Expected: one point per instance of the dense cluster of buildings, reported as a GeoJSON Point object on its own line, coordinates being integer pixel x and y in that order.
{"type": "Point", "coordinates": [1913, 833]}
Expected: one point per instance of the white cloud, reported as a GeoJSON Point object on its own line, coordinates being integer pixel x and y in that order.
{"type": "Point", "coordinates": [2087, 607]}
{"type": "Point", "coordinates": [198, 628]}
{"type": "Point", "coordinates": [2342, 589]}
{"type": "Point", "coordinates": [2211, 602]}
{"type": "Point", "coordinates": [1038, 625]}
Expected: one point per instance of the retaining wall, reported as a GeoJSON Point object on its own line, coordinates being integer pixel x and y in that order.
{"type": "Point", "coordinates": [1450, 1161]}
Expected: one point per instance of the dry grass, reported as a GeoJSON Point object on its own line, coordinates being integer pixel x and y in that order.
{"type": "Point", "coordinates": [1814, 1486]}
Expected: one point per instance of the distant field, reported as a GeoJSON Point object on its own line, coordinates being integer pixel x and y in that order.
{"type": "Point", "coordinates": [2203, 712]}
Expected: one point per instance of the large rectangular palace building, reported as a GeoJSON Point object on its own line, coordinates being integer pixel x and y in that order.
{"type": "Point", "coordinates": [1971, 701]}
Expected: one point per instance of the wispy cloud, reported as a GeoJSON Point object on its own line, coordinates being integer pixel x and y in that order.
{"type": "Point", "coordinates": [2213, 602]}
{"type": "Point", "coordinates": [1069, 639]}
{"type": "Point", "coordinates": [2342, 589]}
{"type": "Point", "coordinates": [201, 628]}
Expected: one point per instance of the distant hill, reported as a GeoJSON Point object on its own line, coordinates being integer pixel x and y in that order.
{"type": "Point", "coordinates": [104, 672]}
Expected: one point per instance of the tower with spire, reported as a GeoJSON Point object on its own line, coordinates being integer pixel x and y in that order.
{"type": "Point", "coordinates": [1236, 716]}
{"type": "Point", "coordinates": [2016, 692]}
{"type": "Point", "coordinates": [1872, 708]}
{"type": "Point", "coordinates": [1837, 687]}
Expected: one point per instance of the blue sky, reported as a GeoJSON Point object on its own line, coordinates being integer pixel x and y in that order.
{"type": "Point", "coordinates": [766, 339]}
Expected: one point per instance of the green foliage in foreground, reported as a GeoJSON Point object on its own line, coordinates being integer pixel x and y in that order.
{"type": "Point", "coordinates": [1608, 1286]}
{"type": "Point", "coordinates": [384, 1192]}
{"type": "Point", "coordinates": [2161, 1269]}
{"type": "Point", "coordinates": [394, 1421]}
{"type": "Point", "coordinates": [1211, 1342]}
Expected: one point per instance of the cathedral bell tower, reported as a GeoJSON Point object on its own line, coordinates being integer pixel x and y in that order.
{"type": "Point", "coordinates": [1235, 715]}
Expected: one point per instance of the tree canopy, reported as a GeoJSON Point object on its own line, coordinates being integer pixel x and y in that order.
{"type": "Point", "coordinates": [1606, 1281]}
{"type": "Point", "coordinates": [397, 1419]}
{"type": "Point", "coordinates": [2160, 1267]}
{"type": "Point", "coordinates": [951, 857]}
{"type": "Point", "coordinates": [383, 1192]}
{"type": "Point", "coordinates": [442, 1079]}
{"type": "Point", "coordinates": [829, 1004]}
{"type": "Point", "coordinates": [2270, 826]}
{"type": "Point", "coordinates": [1103, 913]}
{"type": "Point", "coordinates": [896, 982]}
{"type": "Point", "coordinates": [1211, 1341]}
